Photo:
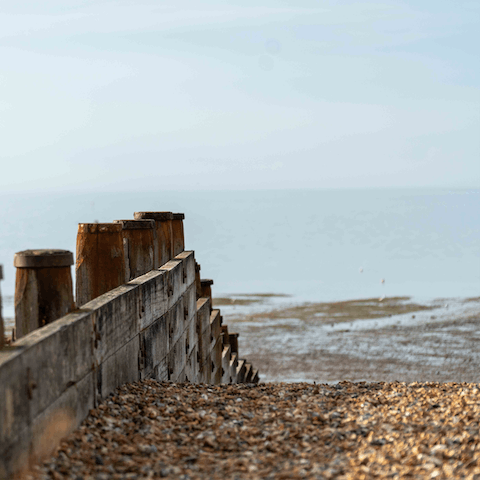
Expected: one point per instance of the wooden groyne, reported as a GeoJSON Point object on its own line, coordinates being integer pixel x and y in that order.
{"type": "Point", "coordinates": [140, 311]}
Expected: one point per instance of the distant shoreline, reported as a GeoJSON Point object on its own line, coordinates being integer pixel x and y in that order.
{"type": "Point", "coordinates": [281, 304]}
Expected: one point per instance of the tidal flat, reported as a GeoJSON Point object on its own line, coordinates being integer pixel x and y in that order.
{"type": "Point", "coordinates": [375, 339]}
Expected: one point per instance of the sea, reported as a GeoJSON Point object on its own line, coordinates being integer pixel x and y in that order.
{"type": "Point", "coordinates": [313, 245]}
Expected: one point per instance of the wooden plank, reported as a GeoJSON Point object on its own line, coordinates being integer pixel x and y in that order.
{"type": "Point", "coordinates": [241, 370]}
{"type": "Point", "coordinates": [216, 357]}
{"type": "Point", "coordinates": [188, 259]}
{"type": "Point", "coordinates": [233, 341]}
{"type": "Point", "coordinates": [203, 314]}
{"type": "Point", "coordinates": [226, 356]}
{"type": "Point", "coordinates": [177, 359]}
{"type": "Point", "coordinates": [248, 373]}
{"type": "Point", "coordinates": [115, 319]}
{"type": "Point", "coordinates": [215, 327]}
{"type": "Point", "coordinates": [233, 367]}
{"type": "Point", "coordinates": [191, 340]}
{"type": "Point", "coordinates": [62, 417]}
{"type": "Point", "coordinates": [154, 346]}
{"type": "Point", "coordinates": [40, 367]}
{"type": "Point", "coordinates": [206, 370]}
{"type": "Point", "coordinates": [180, 275]}
{"type": "Point", "coordinates": [153, 295]}
{"type": "Point", "coordinates": [119, 368]}
{"type": "Point", "coordinates": [161, 370]}
{"type": "Point", "coordinates": [192, 366]}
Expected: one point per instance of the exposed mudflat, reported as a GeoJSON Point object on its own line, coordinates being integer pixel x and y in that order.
{"type": "Point", "coordinates": [276, 431]}
{"type": "Point", "coordinates": [385, 339]}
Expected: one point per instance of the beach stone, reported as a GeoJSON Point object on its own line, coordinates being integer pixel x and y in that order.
{"type": "Point", "coordinates": [297, 430]}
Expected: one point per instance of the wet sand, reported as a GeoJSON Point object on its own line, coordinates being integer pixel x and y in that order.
{"type": "Point", "coordinates": [391, 339]}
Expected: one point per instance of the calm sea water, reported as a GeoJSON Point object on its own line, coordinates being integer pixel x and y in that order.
{"type": "Point", "coordinates": [318, 245]}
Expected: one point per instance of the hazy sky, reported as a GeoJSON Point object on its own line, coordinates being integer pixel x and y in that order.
{"type": "Point", "coordinates": [250, 94]}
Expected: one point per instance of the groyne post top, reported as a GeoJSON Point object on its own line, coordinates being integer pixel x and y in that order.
{"type": "Point", "coordinates": [164, 236]}
{"type": "Point", "coordinates": [2, 327]}
{"type": "Point", "coordinates": [100, 265]}
{"type": "Point", "coordinates": [138, 246]}
{"type": "Point", "coordinates": [43, 288]}
{"type": "Point", "coordinates": [178, 240]}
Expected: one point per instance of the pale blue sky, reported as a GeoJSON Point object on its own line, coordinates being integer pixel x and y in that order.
{"type": "Point", "coordinates": [99, 95]}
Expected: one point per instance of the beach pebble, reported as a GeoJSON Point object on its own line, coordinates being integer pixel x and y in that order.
{"type": "Point", "coordinates": [278, 430]}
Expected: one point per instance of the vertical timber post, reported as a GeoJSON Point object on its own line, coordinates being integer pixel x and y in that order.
{"type": "Point", "coordinates": [100, 260]}
{"type": "Point", "coordinates": [207, 289]}
{"type": "Point", "coordinates": [198, 282]}
{"type": "Point", "coordinates": [138, 246]}
{"type": "Point", "coordinates": [163, 231]}
{"type": "Point", "coordinates": [43, 288]}
{"type": "Point", "coordinates": [178, 237]}
{"type": "Point", "coordinates": [2, 327]}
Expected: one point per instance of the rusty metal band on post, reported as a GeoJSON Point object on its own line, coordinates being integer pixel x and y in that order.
{"type": "Point", "coordinates": [163, 232]}
{"type": "Point", "coordinates": [100, 260]}
{"type": "Point", "coordinates": [43, 288]}
{"type": "Point", "coordinates": [138, 245]}
{"type": "Point", "coordinates": [178, 238]}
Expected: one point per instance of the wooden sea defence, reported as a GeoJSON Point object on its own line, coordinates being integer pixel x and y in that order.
{"type": "Point", "coordinates": [141, 310]}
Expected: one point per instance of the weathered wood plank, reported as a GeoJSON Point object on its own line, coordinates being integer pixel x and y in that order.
{"type": "Point", "coordinates": [233, 366]}
{"type": "Point", "coordinates": [216, 357]}
{"type": "Point", "coordinates": [248, 373]}
{"type": "Point", "coordinates": [121, 367]}
{"type": "Point", "coordinates": [241, 371]}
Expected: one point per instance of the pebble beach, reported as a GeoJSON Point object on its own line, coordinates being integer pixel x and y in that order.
{"type": "Point", "coordinates": [276, 431]}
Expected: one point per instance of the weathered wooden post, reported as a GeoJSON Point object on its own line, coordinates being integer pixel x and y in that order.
{"type": "Point", "coordinates": [138, 246]}
{"type": "Point", "coordinates": [163, 231]}
{"type": "Point", "coordinates": [233, 341]}
{"type": "Point", "coordinates": [206, 285]}
{"type": "Point", "coordinates": [178, 238]}
{"type": "Point", "coordinates": [100, 263]}
{"type": "Point", "coordinates": [2, 327]}
{"type": "Point", "coordinates": [43, 288]}
{"type": "Point", "coordinates": [198, 282]}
